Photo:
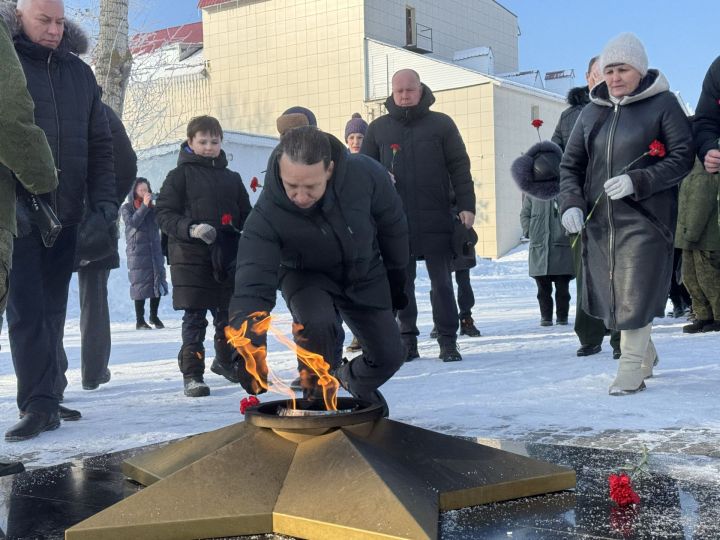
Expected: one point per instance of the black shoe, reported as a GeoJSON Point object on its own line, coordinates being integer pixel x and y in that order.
{"type": "Point", "coordinates": [94, 385]}
{"type": "Point", "coordinates": [434, 332]}
{"type": "Point", "coordinates": [295, 385]}
{"type": "Point", "coordinates": [449, 352]}
{"type": "Point", "coordinates": [157, 323]}
{"type": "Point", "coordinates": [412, 350]}
{"type": "Point", "coordinates": [142, 325]}
{"type": "Point", "coordinates": [697, 326]}
{"type": "Point", "coordinates": [546, 322]}
{"type": "Point", "coordinates": [468, 328]}
{"type": "Point", "coordinates": [354, 346]}
{"type": "Point", "coordinates": [712, 327]}
{"type": "Point", "coordinates": [13, 467]}
{"type": "Point", "coordinates": [588, 350]}
{"type": "Point", "coordinates": [69, 415]}
{"type": "Point", "coordinates": [194, 386]}
{"type": "Point", "coordinates": [561, 322]}
{"type": "Point", "coordinates": [342, 374]}
{"type": "Point", "coordinates": [225, 369]}
{"type": "Point", "coordinates": [617, 354]}
{"type": "Point", "coordinates": [31, 425]}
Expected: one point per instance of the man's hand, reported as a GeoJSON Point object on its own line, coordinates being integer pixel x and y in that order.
{"type": "Point", "coordinates": [204, 232]}
{"type": "Point", "coordinates": [467, 218]}
{"type": "Point", "coordinates": [572, 220]}
{"type": "Point", "coordinates": [712, 161]}
{"type": "Point", "coordinates": [619, 186]}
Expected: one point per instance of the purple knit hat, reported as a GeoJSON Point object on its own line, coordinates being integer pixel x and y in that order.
{"type": "Point", "coordinates": [355, 125]}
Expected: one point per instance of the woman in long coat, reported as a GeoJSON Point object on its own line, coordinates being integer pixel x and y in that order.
{"type": "Point", "coordinates": [629, 150]}
{"type": "Point", "coordinates": [146, 268]}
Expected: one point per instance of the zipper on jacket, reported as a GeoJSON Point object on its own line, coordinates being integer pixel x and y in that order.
{"type": "Point", "coordinates": [611, 236]}
{"type": "Point", "coordinates": [57, 133]}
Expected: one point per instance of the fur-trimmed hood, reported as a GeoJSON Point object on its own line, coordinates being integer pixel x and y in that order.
{"type": "Point", "coordinates": [75, 39]}
{"type": "Point", "coordinates": [580, 95]}
{"type": "Point", "coordinates": [541, 179]}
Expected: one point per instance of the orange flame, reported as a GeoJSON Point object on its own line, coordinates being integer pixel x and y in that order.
{"type": "Point", "coordinates": [256, 359]}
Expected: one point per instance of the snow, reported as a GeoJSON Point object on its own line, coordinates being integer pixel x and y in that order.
{"type": "Point", "coordinates": [519, 381]}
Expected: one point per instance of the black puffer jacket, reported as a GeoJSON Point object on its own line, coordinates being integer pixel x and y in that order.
{"type": "Point", "coordinates": [577, 98]}
{"type": "Point", "coordinates": [431, 159]}
{"type": "Point", "coordinates": [628, 243]}
{"type": "Point", "coordinates": [706, 125]}
{"type": "Point", "coordinates": [201, 190]}
{"type": "Point", "coordinates": [343, 244]}
{"type": "Point", "coordinates": [69, 111]}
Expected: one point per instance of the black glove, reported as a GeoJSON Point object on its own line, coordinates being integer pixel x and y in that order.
{"type": "Point", "coordinates": [397, 278]}
{"type": "Point", "coordinates": [109, 211]}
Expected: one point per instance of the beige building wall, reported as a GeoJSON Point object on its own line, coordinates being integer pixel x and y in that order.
{"type": "Point", "coordinates": [456, 25]}
{"type": "Point", "coordinates": [266, 56]}
{"type": "Point", "coordinates": [513, 112]}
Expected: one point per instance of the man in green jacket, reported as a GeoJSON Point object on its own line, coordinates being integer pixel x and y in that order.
{"type": "Point", "coordinates": [24, 155]}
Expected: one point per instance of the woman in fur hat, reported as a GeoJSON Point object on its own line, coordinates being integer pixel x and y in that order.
{"type": "Point", "coordinates": [630, 148]}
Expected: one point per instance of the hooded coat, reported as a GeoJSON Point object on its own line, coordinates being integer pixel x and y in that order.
{"type": "Point", "coordinates": [343, 244]}
{"type": "Point", "coordinates": [145, 261]}
{"type": "Point", "coordinates": [68, 109]}
{"type": "Point", "coordinates": [577, 98]}
{"type": "Point", "coordinates": [201, 190]}
{"type": "Point", "coordinates": [706, 125]}
{"type": "Point", "coordinates": [430, 164]}
{"type": "Point", "coordinates": [627, 243]}
{"type": "Point", "coordinates": [549, 250]}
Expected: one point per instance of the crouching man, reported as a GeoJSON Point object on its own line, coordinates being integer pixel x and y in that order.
{"type": "Point", "coordinates": [329, 231]}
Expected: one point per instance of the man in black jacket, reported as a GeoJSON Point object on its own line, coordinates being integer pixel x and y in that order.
{"type": "Point", "coordinates": [424, 151]}
{"type": "Point", "coordinates": [329, 231]}
{"type": "Point", "coordinates": [69, 111]}
{"type": "Point", "coordinates": [706, 126]}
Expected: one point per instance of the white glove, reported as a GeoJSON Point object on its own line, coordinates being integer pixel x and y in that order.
{"type": "Point", "coordinates": [619, 186]}
{"type": "Point", "coordinates": [204, 232]}
{"type": "Point", "coordinates": [572, 220]}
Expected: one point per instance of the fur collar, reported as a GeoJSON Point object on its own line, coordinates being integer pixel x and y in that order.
{"type": "Point", "coordinates": [74, 40]}
{"type": "Point", "coordinates": [579, 95]}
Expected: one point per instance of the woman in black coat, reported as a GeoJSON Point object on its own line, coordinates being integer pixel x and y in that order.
{"type": "Point", "coordinates": [629, 150]}
{"type": "Point", "coordinates": [145, 262]}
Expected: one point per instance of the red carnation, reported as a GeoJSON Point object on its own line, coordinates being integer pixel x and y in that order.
{"type": "Point", "coordinates": [226, 219]}
{"type": "Point", "coordinates": [537, 123]}
{"type": "Point", "coordinates": [621, 490]}
{"type": "Point", "coordinates": [255, 183]}
{"type": "Point", "coordinates": [246, 402]}
{"type": "Point", "coordinates": [395, 147]}
{"type": "Point", "coordinates": [657, 149]}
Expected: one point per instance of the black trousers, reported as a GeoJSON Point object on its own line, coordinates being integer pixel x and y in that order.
{"type": "Point", "coordinates": [378, 334]}
{"type": "Point", "coordinates": [140, 308]}
{"type": "Point", "coordinates": [442, 299]}
{"type": "Point", "coordinates": [37, 303]}
{"type": "Point", "coordinates": [562, 296]}
{"type": "Point", "coordinates": [465, 294]}
{"type": "Point", "coordinates": [95, 341]}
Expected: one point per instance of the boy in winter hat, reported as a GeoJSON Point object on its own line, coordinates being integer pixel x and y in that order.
{"type": "Point", "coordinates": [355, 133]}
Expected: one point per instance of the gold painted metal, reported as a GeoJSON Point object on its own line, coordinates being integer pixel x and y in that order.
{"type": "Point", "coordinates": [378, 480]}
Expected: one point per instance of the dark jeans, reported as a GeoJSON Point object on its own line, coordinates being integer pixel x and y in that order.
{"type": "Point", "coordinates": [378, 334]}
{"type": "Point", "coordinates": [95, 342]}
{"type": "Point", "coordinates": [562, 296]}
{"type": "Point", "coordinates": [37, 303]}
{"type": "Point", "coordinates": [589, 330]}
{"type": "Point", "coordinates": [465, 294]}
{"type": "Point", "coordinates": [442, 299]}
{"type": "Point", "coordinates": [195, 322]}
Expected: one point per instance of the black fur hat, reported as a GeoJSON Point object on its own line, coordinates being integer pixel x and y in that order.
{"type": "Point", "coordinates": [537, 172]}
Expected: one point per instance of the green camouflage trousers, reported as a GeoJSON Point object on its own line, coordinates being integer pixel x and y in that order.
{"type": "Point", "coordinates": [701, 275]}
{"type": "Point", "coordinates": [6, 246]}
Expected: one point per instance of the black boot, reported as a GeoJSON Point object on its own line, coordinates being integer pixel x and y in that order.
{"type": "Point", "coordinates": [13, 467]}
{"type": "Point", "coordinates": [411, 348]}
{"type": "Point", "coordinates": [191, 360]}
{"type": "Point", "coordinates": [154, 319]}
{"type": "Point", "coordinates": [224, 363]}
{"type": "Point", "coordinates": [449, 351]}
{"type": "Point", "coordinates": [468, 328]}
{"type": "Point", "coordinates": [140, 323]}
{"type": "Point", "coordinates": [697, 326]}
{"type": "Point", "coordinates": [714, 326]}
{"type": "Point", "coordinates": [373, 396]}
{"type": "Point", "coordinates": [32, 425]}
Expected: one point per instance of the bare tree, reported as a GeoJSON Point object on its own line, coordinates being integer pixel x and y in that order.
{"type": "Point", "coordinates": [112, 54]}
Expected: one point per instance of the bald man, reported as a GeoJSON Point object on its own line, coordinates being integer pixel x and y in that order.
{"type": "Point", "coordinates": [423, 149]}
{"type": "Point", "coordinates": [69, 111]}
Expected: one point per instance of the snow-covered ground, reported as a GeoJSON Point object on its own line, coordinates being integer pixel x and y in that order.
{"type": "Point", "coordinates": [517, 381]}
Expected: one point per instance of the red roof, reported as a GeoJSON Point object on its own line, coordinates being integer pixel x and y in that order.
{"type": "Point", "coordinates": [149, 41]}
{"type": "Point", "coordinates": [208, 3]}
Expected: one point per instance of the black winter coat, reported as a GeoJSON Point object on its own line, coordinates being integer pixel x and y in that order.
{"type": "Point", "coordinates": [706, 125]}
{"type": "Point", "coordinates": [627, 243]}
{"type": "Point", "coordinates": [145, 261]}
{"type": "Point", "coordinates": [201, 190]}
{"type": "Point", "coordinates": [343, 244]}
{"type": "Point", "coordinates": [431, 159]}
{"type": "Point", "coordinates": [577, 98]}
{"type": "Point", "coordinates": [69, 111]}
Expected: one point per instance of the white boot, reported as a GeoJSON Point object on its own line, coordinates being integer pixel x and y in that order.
{"type": "Point", "coordinates": [634, 347]}
{"type": "Point", "coordinates": [650, 361]}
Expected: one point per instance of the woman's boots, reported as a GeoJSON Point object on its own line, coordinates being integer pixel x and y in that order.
{"type": "Point", "coordinates": [636, 361]}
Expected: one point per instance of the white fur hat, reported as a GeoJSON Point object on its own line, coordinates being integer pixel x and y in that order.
{"type": "Point", "coordinates": [625, 49]}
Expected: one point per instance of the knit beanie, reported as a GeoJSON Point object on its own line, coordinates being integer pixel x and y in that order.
{"type": "Point", "coordinates": [625, 49]}
{"type": "Point", "coordinates": [295, 117]}
{"type": "Point", "coordinates": [355, 125]}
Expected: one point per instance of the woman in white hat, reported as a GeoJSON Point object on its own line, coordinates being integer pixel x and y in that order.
{"type": "Point", "coordinates": [630, 148]}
